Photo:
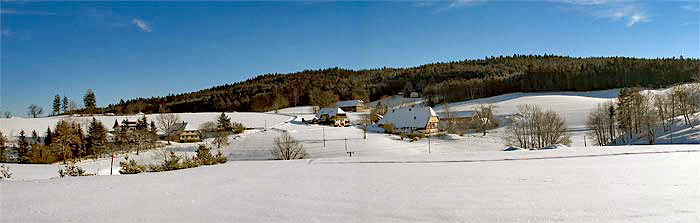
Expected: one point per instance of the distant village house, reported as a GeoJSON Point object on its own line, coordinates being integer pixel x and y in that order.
{"type": "Point", "coordinates": [333, 117]}
{"type": "Point", "coordinates": [351, 105]}
{"type": "Point", "coordinates": [412, 119]}
{"type": "Point", "coordinates": [184, 132]}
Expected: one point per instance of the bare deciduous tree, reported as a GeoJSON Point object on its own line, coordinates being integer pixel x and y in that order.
{"type": "Point", "coordinates": [208, 127]}
{"type": "Point", "coordinates": [166, 122]}
{"type": "Point", "coordinates": [73, 106]}
{"type": "Point", "coordinates": [483, 118]}
{"type": "Point", "coordinates": [533, 128]}
{"type": "Point", "coordinates": [287, 148]}
{"type": "Point", "coordinates": [649, 117]}
{"type": "Point", "coordinates": [599, 124]}
{"type": "Point", "coordinates": [683, 102]}
{"type": "Point", "coordinates": [220, 138]}
{"type": "Point", "coordinates": [34, 110]}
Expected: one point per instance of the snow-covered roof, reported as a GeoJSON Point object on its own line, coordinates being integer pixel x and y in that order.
{"type": "Point", "coordinates": [177, 127]}
{"type": "Point", "coordinates": [349, 103]}
{"type": "Point", "coordinates": [190, 127]}
{"type": "Point", "coordinates": [411, 117]}
{"type": "Point", "coordinates": [331, 112]}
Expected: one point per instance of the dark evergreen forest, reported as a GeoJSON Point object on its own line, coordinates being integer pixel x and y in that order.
{"type": "Point", "coordinates": [437, 82]}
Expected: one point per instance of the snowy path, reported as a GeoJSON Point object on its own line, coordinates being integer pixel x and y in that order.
{"type": "Point", "coordinates": [660, 187]}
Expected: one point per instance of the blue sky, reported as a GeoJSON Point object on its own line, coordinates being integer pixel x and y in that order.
{"type": "Point", "coordinates": [141, 49]}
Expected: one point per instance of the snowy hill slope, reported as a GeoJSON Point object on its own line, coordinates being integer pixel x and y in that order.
{"type": "Point", "coordinates": [679, 133]}
{"type": "Point", "coordinates": [573, 106]}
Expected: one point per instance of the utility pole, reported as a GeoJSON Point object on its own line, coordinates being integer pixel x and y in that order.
{"type": "Point", "coordinates": [584, 141]}
{"type": "Point", "coordinates": [324, 136]}
{"type": "Point", "coordinates": [111, 164]}
{"type": "Point", "coordinates": [428, 143]}
{"type": "Point", "coordinates": [673, 114]}
{"type": "Point", "coordinates": [346, 144]}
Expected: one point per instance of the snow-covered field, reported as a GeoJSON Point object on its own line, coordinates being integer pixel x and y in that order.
{"type": "Point", "coordinates": [505, 187]}
{"type": "Point", "coordinates": [256, 144]}
{"type": "Point", "coordinates": [573, 106]}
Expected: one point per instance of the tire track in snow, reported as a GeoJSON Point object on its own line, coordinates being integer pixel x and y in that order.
{"type": "Point", "coordinates": [504, 159]}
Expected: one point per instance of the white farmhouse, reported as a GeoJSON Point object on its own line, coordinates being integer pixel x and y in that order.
{"type": "Point", "coordinates": [420, 119]}
{"type": "Point", "coordinates": [333, 116]}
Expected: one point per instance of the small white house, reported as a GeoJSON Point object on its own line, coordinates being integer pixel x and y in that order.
{"type": "Point", "coordinates": [190, 134]}
{"type": "Point", "coordinates": [420, 119]}
{"type": "Point", "coordinates": [184, 132]}
{"type": "Point", "coordinates": [333, 116]}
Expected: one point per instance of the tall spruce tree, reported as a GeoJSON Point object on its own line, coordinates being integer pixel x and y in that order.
{"type": "Point", "coordinates": [153, 132]}
{"type": "Point", "coordinates": [90, 101]}
{"type": "Point", "coordinates": [3, 148]}
{"type": "Point", "coordinates": [22, 148]}
{"type": "Point", "coordinates": [56, 105]}
{"type": "Point", "coordinates": [223, 123]}
{"type": "Point", "coordinates": [35, 137]}
{"type": "Point", "coordinates": [65, 105]}
{"type": "Point", "coordinates": [48, 139]}
{"type": "Point", "coordinates": [97, 137]}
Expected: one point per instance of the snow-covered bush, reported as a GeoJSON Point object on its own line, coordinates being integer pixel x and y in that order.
{"type": "Point", "coordinates": [204, 156]}
{"type": "Point", "coordinates": [71, 170]}
{"type": "Point", "coordinates": [175, 162]}
{"type": "Point", "coordinates": [287, 148]}
{"type": "Point", "coordinates": [5, 172]}
{"type": "Point", "coordinates": [238, 127]}
{"type": "Point", "coordinates": [130, 167]}
{"type": "Point", "coordinates": [389, 128]}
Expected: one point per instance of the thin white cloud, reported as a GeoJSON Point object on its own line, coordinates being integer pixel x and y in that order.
{"type": "Point", "coordinates": [142, 25]}
{"type": "Point", "coordinates": [462, 3]}
{"type": "Point", "coordinates": [630, 13]}
{"type": "Point", "coordinates": [590, 2]}
{"type": "Point", "coordinates": [692, 8]}
{"type": "Point", "coordinates": [23, 12]}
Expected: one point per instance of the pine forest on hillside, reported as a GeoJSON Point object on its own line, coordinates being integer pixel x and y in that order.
{"type": "Point", "coordinates": [437, 82]}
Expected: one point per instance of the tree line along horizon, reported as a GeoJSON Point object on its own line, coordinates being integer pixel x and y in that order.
{"type": "Point", "coordinates": [67, 140]}
{"type": "Point", "coordinates": [436, 82]}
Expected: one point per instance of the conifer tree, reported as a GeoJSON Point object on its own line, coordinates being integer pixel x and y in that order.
{"type": "Point", "coordinates": [35, 137]}
{"type": "Point", "coordinates": [3, 148]}
{"type": "Point", "coordinates": [79, 148]}
{"type": "Point", "coordinates": [56, 105]}
{"type": "Point", "coordinates": [153, 132]}
{"type": "Point", "coordinates": [22, 148]}
{"type": "Point", "coordinates": [48, 137]}
{"type": "Point", "coordinates": [97, 137]}
{"type": "Point", "coordinates": [223, 123]}
{"type": "Point", "coordinates": [90, 101]}
{"type": "Point", "coordinates": [65, 105]}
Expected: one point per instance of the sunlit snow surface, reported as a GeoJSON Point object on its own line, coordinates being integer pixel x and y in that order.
{"type": "Point", "coordinates": [652, 187]}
